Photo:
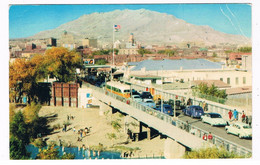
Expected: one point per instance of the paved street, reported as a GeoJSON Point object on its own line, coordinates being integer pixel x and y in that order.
{"type": "Point", "coordinates": [219, 131]}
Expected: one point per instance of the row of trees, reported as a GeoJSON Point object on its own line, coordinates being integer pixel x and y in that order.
{"type": "Point", "coordinates": [105, 52]}
{"type": "Point", "coordinates": [25, 75]}
{"type": "Point", "coordinates": [169, 52]}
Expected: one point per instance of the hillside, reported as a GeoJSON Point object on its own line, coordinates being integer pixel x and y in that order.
{"type": "Point", "coordinates": [147, 26]}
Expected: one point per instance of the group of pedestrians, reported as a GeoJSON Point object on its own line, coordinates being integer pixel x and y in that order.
{"type": "Point", "coordinates": [234, 114]}
{"type": "Point", "coordinates": [82, 132]}
{"type": "Point", "coordinates": [208, 137]}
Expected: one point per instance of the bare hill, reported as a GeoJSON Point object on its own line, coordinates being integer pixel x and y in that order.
{"type": "Point", "coordinates": [147, 26]}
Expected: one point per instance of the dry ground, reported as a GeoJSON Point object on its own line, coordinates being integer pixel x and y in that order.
{"type": "Point", "coordinates": [100, 126]}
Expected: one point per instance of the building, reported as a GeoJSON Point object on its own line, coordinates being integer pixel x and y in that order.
{"type": "Point", "coordinates": [190, 70]}
{"type": "Point", "coordinates": [237, 55]}
{"type": "Point", "coordinates": [51, 42]}
{"type": "Point", "coordinates": [89, 43]}
{"type": "Point", "coordinates": [64, 94]}
{"type": "Point", "coordinates": [247, 62]}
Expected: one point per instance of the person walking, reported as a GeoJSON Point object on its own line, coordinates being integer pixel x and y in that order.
{"type": "Point", "coordinates": [204, 137]}
{"type": "Point", "coordinates": [243, 117]}
{"type": "Point", "coordinates": [210, 137]}
{"type": "Point", "coordinates": [230, 114]}
{"type": "Point", "coordinates": [235, 114]}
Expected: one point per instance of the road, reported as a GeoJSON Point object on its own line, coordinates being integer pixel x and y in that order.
{"type": "Point", "coordinates": [219, 131]}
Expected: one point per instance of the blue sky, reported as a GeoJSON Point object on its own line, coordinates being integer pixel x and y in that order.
{"type": "Point", "coordinates": [27, 20]}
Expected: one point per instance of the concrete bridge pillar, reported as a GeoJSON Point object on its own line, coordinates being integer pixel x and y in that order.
{"type": "Point", "coordinates": [104, 108]}
{"type": "Point", "coordinates": [141, 127]}
{"type": "Point", "coordinates": [148, 133]}
{"type": "Point", "coordinates": [173, 150]}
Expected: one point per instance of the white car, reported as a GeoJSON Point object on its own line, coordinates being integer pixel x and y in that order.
{"type": "Point", "coordinates": [136, 98]}
{"type": "Point", "coordinates": [242, 130]}
{"type": "Point", "coordinates": [214, 119]}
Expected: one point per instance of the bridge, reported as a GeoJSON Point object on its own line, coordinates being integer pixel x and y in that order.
{"type": "Point", "coordinates": [166, 125]}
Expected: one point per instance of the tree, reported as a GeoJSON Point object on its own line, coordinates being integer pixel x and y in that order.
{"type": "Point", "coordinates": [62, 63]}
{"type": "Point", "coordinates": [245, 49]}
{"type": "Point", "coordinates": [17, 149]}
{"type": "Point", "coordinates": [18, 128]}
{"type": "Point", "coordinates": [101, 62]}
{"type": "Point", "coordinates": [211, 153]}
{"type": "Point", "coordinates": [143, 51]}
{"type": "Point", "coordinates": [18, 137]}
{"type": "Point", "coordinates": [22, 79]}
{"type": "Point", "coordinates": [50, 153]}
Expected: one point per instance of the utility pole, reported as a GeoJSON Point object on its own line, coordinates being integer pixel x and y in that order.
{"type": "Point", "coordinates": [162, 91]}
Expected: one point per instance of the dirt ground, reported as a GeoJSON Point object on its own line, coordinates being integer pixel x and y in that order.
{"type": "Point", "coordinates": [100, 127]}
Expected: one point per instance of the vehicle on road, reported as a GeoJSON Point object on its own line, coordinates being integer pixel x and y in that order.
{"type": "Point", "coordinates": [149, 103]}
{"type": "Point", "coordinates": [118, 89]}
{"type": "Point", "coordinates": [134, 92]}
{"type": "Point", "coordinates": [146, 95]}
{"type": "Point", "coordinates": [178, 104]}
{"type": "Point", "coordinates": [167, 109]}
{"type": "Point", "coordinates": [214, 119]}
{"type": "Point", "coordinates": [242, 130]}
{"type": "Point", "coordinates": [137, 98]}
{"type": "Point", "coordinates": [193, 111]}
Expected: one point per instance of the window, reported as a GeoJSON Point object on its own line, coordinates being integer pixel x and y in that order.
{"type": "Point", "coordinates": [221, 79]}
{"type": "Point", "coordinates": [228, 80]}
{"type": "Point", "coordinates": [237, 80]}
{"type": "Point", "coordinates": [244, 80]}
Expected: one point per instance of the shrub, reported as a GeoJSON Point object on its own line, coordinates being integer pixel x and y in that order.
{"type": "Point", "coordinates": [210, 153]}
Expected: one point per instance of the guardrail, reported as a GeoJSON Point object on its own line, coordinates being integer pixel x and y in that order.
{"type": "Point", "coordinates": [211, 106]}
{"type": "Point", "coordinates": [218, 141]}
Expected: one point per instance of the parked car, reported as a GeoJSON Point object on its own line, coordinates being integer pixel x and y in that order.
{"type": "Point", "coordinates": [146, 95]}
{"type": "Point", "coordinates": [242, 130]}
{"type": "Point", "coordinates": [193, 111]}
{"type": "Point", "coordinates": [214, 119]}
{"type": "Point", "coordinates": [134, 92]}
{"type": "Point", "coordinates": [178, 104]}
{"type": "Point", "coordinates": [167, 109]}
{"type": "Point", "coordinates": [136, 98]}
{"type": "Point", "coordinates": [149, 103]}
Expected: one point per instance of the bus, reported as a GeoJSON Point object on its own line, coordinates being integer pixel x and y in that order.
{"type": "Point", "coordinates": [118, 88]}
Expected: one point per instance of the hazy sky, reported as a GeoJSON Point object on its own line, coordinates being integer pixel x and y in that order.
{"type": "Point", "coordinates": [27, 20]}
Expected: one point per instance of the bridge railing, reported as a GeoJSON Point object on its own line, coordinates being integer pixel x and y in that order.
{"type": "Point", "coordinates": [211, 106]}
{"type": "Point", "coordinates": [218, 141]}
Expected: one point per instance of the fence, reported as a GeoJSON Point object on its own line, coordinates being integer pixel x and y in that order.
{"type": "Point", "coordinates": [218, 141]}
{"type": "Point", "coordinates": [211, 106]}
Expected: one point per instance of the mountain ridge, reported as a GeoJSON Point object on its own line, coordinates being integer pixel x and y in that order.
{"type": "Point", "coordinates": [147, 26]}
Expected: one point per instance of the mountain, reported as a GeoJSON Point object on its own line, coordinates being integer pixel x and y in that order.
{"type": "Point", "coordinates": [147, 26]}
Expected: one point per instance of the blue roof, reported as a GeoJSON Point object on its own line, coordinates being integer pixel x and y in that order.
{"type": "Point", "coordinates": [186, 64]}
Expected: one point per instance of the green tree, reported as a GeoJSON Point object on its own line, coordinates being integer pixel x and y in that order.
{"type": "Point", "coordinates": [169, 52]}
{"type": "Point", "coordinates": [214, 54]}
{"type": "Point", "coordinates": [143, 51]}
{"type": "Point", "coordinates": [101, 62]}
{"type": "Point", "coordinates": [18, 137]}
{"type": "Point", "coordinates": [18, 128]}
{"type": "Point", "coordinates": [17, 149]}
{"type": "Point", "coordinates": [245, 49]}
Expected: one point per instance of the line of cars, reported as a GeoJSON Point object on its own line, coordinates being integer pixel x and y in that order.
{"type": "Point", "coordinates": [242, 130]}
{"type": "Point", "coordinates": [145, 98]}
